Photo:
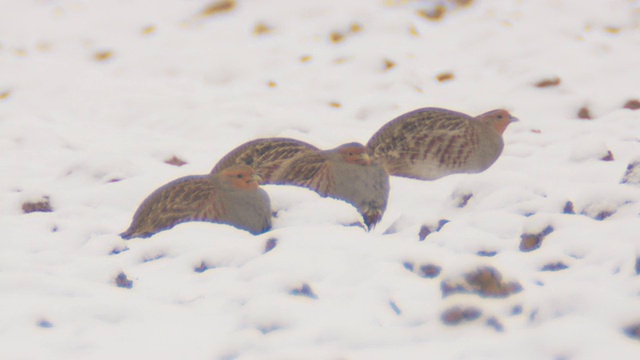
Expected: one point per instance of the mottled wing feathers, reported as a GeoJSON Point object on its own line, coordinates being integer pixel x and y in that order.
{"type": "Point", "coordinates": [265, 156]}
{"type": "Point", "coordinates": [432, 137]}
{"type": "Point", "coordinates": [311, 170]}
{"type": "Point", "coordinates": [416, 127]}
{"type": "Point", "coordinates": [186, 199]}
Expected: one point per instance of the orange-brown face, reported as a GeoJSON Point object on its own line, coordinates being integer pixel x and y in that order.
{"type": "Point", "coordinates": [240, 177]}
{"type": "Point", "coordinates": [499, 119]}
{"type": "Point", "coordinates": [355, 154]}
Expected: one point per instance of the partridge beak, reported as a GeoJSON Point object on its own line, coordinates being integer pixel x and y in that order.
{"type": "Point", "coordinates": [513, 119]}
{"type": "Point", "coordinates": [257, 178]}
{"type": "Point", "coordinates": [365, 159]}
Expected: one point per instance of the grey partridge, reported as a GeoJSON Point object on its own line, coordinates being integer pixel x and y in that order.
{"type": "Point", "coordinates": [430, 143]}
{"type": "Point", "coordinates": [346, 172]}
{"type": "Point", "coordinates": [231, 196]}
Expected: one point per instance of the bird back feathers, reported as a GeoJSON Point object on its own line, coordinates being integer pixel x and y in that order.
{"type": "Point", "coordinates": [265, 155]}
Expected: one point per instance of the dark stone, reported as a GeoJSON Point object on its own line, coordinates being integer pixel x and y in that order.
{"type": "Point", "coordinates": [551, 82]}
{"type": "Point", "coordinates": [530, 242]}
{"type": "Point", "coordinates": [430, 271]}
{"type": "Point", "coordinates": [153, 258]}
{"type": "Point", "coordinates": [486, 253]}
{"type": "Point", "coordinates": [568, 208]}
{"type": "Point", "coordinates": [608, 157]}
{"type": "Point", "coordinates": [633, 331]}
{"type": "Point", "coordinates": [424, 232]}
{"type": "Point", "coordinates": [495, 323]}
{"type": "Point", "coordinates": [395, 307]}
{"type": "Point", "coordinates": [464, 200]}
{"type": "Point", "coordinates": [202, 267]}
{"type": "Point", "coordinates": [485, 281]}
{"type": "Point", "coordinates": [268, 329]}
{"type": "Point", "coordinates": [123, 282]}
{"type": "Point", "coordinates": [632, 104]}
{"type": "Point", "coordinates": [271, 243]}
{"type": "Point", "coordinates": [632, 175]}
{"type": "Point", "coordinates": [37, 206]}
{"type": "Point", "coordinates": [118, 250]}
{"type": "Point", "coordinates": [457, 315]}
{"type": "Point", "coordinates": [554, 266]}
{"type": "Point", "coordinates": [45, 324]}
{"type": "Point", "coordinates": [516, 310]}
{"type": "Point", "coordinates": [175, 161]}
{"type": "Point", "coordinates": [304, 290]}
{"type": "Point", "coordinates": [584, 113]}
{"type": "Point", "coordinates": [407, 265]}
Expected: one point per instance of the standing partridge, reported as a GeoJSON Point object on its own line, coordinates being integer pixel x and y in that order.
{"type": "Point", "coordinates": [346, 172]}
{"type": "Point", "coordinates": [430, 143]}
{"type": "Point", "coordinates": [231, 196]}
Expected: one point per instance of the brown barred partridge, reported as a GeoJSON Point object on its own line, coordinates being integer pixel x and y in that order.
{"type": "Point", "coordinates": [346, 172]}
{"type": "Point", "coordinates": [231, 196]}
{"type": "Point", "coordinates": [430, 143]}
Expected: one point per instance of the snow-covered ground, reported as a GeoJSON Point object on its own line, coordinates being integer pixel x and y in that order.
{"type": "Point", "coordinates": [538, 259]}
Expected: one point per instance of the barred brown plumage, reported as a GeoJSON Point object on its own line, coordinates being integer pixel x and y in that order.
{"type": "Point", "coordinates": [346, 172]}
{"type": "Point", "coordinates": [265, 155]}
{"type": "Point", "coordinates": [230, 197]}
{"type": "Point", "coordinates": [430, 143]}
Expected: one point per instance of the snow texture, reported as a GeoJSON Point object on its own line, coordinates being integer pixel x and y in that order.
{"type": "Point", "coordinates": [536, 258]}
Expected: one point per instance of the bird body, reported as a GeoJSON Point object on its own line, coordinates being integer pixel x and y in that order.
{"type": "Point", "coordinates": [430, 143]}
{"type": "Point", "coordinates": [346, 172]}
{"type": "Point", "coordinates": [230, 197]}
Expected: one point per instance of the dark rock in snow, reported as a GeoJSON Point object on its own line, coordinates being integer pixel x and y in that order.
{"type": "Point", "coordinates": [584, 113]}
{"type": "Point", "coordinates": [568, 208]}
{"type": "Point", "coordinates": [430, 271]}
{"type": "Point", "coordinates": [457, 315]}
{"type": "Point", "coordinates": [123, 282]}
{"type": "Point", "coordinates": [37, 206]}
{"type": "Point", "coordinates": [485, 282]}
{"type": "Point", "coordinates": [426, 230]}
{"type": "Point", "coordinates": [486, 253]}
{"type": "Point", "coordinates": [557, 266]}
{"type": "Point", "coordinates": [271, 243]}
{"type": "Point", "coordinates": [202, 267]}
{"type": "Point", "coordinates": [632, 175]}
{"type": "Point", "coordinates": [530, 242]}
{"type": "Point", "coordinates": [395, 307]}
{"type": "Point", "coordinates": [45, 324]}
{"type": "Point", "coordinates": [304, 290]}
{"type": "Point", "coordinates": [632, 104]}
{"type": "Point", "coordinates": [495, 323]}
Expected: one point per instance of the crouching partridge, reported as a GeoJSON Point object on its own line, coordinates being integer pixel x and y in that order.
{"type": "Point", "coordinates": [430, 143]}
{"type": "Point", "coordinates": [346, 172]}
{"type": "Point", "coordinates": [231, 196]}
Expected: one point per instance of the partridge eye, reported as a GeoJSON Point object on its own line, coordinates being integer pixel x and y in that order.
{"type": "Point", "coordinates": [499, 116]}
{"type": "Point", "coordinates": [350, 154]}
{"type": "Point", "coordinates": [239, 176]}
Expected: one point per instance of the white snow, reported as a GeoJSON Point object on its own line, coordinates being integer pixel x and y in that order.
{"type": "Point", "coordinates": [92, 136]}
